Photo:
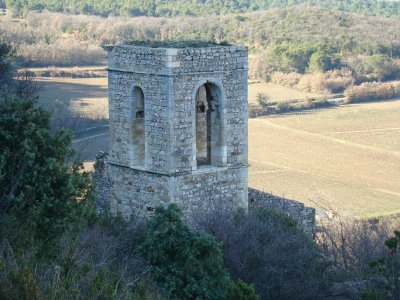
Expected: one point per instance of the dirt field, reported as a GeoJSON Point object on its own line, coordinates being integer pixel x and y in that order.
{"type": "Point", "coordinates": [346, 158]}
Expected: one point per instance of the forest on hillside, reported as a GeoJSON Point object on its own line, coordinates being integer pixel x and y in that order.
{"type": "Point", "coordinates": [162, 8]}
{"type": "Point", "coordinates": [294, 40]}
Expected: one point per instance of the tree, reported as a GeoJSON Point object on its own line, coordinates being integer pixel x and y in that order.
{"type": "Point", "coordinates": [388, 269]}
{"type": "Point", "coordinates": [262, 99]}
{"type": "Point", "coordinates": [39, 189]}
{"type": "Point", "coordinates": [241, 291]}
{"type": "Point", "coordinates": [6, 55]}
{"type": "Point", "coordinates": [322, 61]}
{"type": "Point", "coordinates": [186, 264]}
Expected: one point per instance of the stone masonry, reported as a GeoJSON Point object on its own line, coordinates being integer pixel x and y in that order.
{"type": "Point", "coordinates": [178, 126]}
{"type": "Point", "coordinates": [305, 216]}
{"type": "Point", "coordinates": [257, 199]}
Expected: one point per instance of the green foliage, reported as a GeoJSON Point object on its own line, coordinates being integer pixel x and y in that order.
{"type": "Point", "coordinates": [241, 291]}
{"type": "Point", "coordinates": [198, 7]}
{"type": "Point", "coordinates": [385, 272]}
{"type": "Point", "coordinates": [6, 54]}
{"type": "Point", "coordinates": [262, 100]}
{"type": "Point", "coordinates": [322, 61]}
{"type": "Point", "coordinates": [299, 57]}
{"type": "Point", "coordinates": [291, 57]}
{"type": "Point", "coordinates": [186, 264]}
{"type": "Point", "coordinates": [46, 195]}
{"type": "Point", "coordinates": [375, 67]}
{"type": "Point", "coordinates": [20, 284]}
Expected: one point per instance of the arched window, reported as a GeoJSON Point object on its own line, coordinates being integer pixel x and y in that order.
{"type": "Point", "coordinates": [209, 144]}
{"type": "Point", "coordinates": [137, 130]}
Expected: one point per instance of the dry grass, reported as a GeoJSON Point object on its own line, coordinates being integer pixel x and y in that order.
{"type": "Point", "coordinates": [346, 158]}
{"type": "Point", "coordinates": [69, 69]}
{"type": "Point", "coordinates": [86, 96]}
{"type": "Point", "coordinates": [276, 92]}
{"type": "Point", "coordinates": [334, 81]}
{"type": "Point", "coordinates": [370, 91]}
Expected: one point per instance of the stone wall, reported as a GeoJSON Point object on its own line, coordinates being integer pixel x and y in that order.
{"type": "Point", "coordinates": [303, 214]}
{"type": "Point", "coordinates": [102, 182]}
{"type": "Point", "coordinates": [168, 172]}
{"type": "Point", "coordinates": [138, 192]}
{"type": "Point", "coordinates": [166, 61]}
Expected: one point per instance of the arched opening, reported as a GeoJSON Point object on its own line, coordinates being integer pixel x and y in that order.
{"type": "Point", "coordinates": [209, 143]}
{"type": "Point", "coordinates": [137, 129]}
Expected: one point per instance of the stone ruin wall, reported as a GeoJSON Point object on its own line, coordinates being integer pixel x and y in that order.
{"type": "Point", "coordinates": [303, 214]}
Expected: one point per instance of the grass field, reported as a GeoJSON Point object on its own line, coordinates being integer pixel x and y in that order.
{"type": "Point", "coordinates": [276, 92]}
{"type": "Point", "coordinates": [86, 96]}
{"type": "Point", "coordinates": [345, 159]}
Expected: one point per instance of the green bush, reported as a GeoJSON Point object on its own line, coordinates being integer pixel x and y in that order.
{"type": "Point", "coordinates": [6, 55]}
{"type": "Point", "coordinates": [241, 291]}
{"type": "Point", "coordinates": [262, 100]}
{"type": "Point", "coordinates": [189, 7]}
{"type": "Point", "coordinates": [186, 264]}
{"type": "Point", "coordinates": [375, 67]}
{"type": "Point", "coordinates": [41, 191]}
{"type": "Point", "coordinates": [282, 107]}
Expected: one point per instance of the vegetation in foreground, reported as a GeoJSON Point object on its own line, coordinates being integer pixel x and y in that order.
{"type": "Point", "coordinates": [54, 246]}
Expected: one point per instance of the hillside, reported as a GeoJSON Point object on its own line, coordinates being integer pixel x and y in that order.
{"type": "Point", "coordinates": [160, 8]}
{"type": "Point", "coordinates": [44, 37]}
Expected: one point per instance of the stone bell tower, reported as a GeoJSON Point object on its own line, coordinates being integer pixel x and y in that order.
{"type": "Point", "coordinates": [178, 125]}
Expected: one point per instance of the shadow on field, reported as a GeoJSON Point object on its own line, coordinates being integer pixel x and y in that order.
{"type": "Point", "coordinates": [67, 90]}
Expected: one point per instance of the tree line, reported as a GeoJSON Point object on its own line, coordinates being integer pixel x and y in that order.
{"type": "Point", "coordinates": [300, 40]}
{"type": "Point", "coordinates": [160, 8]}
